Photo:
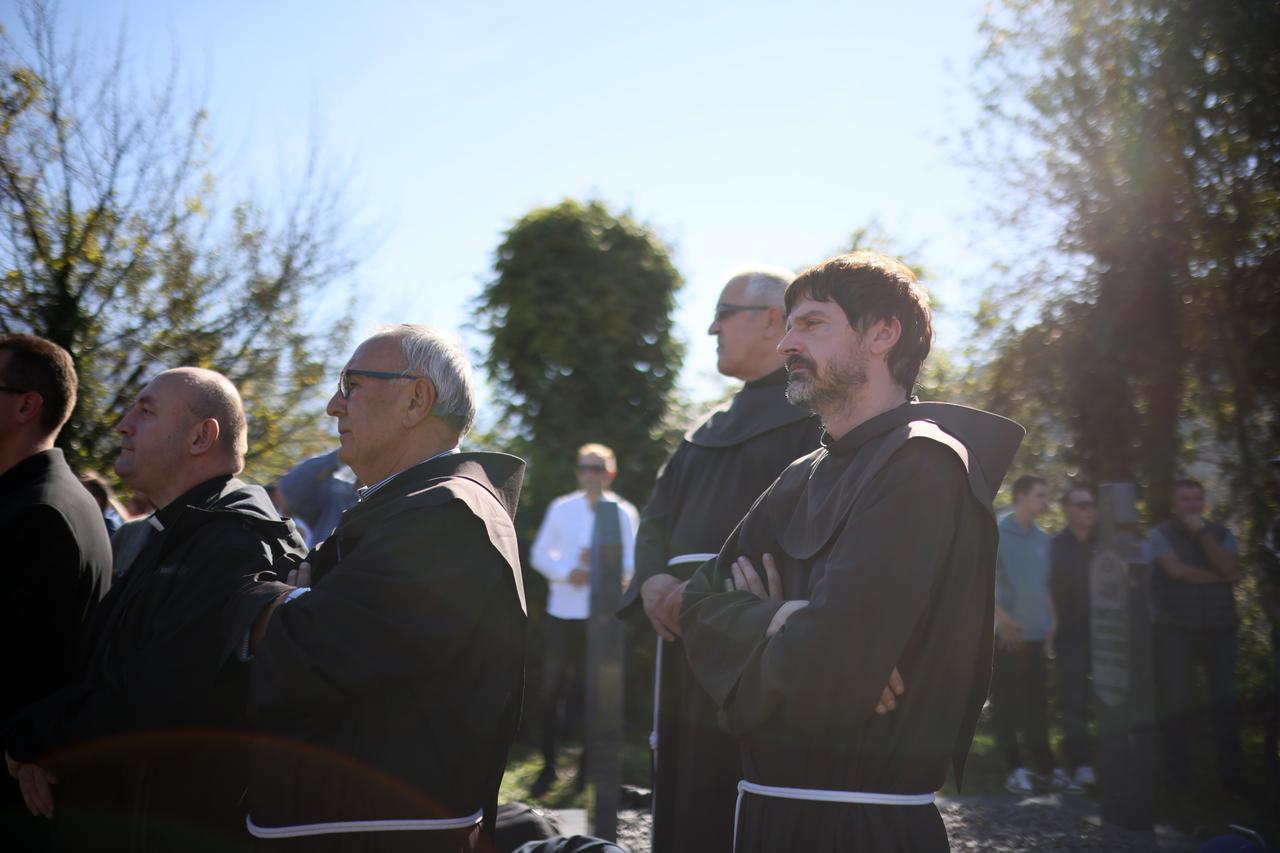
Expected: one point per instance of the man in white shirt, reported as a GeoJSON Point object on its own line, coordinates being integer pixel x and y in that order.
{"type": "Point", "coordinates": [561, 552]}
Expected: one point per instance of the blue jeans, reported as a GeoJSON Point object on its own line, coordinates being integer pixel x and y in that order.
{"type": "Point", "coordinates": [1178, 651]}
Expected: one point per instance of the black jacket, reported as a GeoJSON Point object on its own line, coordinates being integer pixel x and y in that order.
{"type": "Point", "coordinates": [57, 567]}
{"type": "Point", "coordinates": [56, 562]}
{"type": "Point", "coordinates": [149, 744]}
{"type": "Point", "coordinates": [391, 691]}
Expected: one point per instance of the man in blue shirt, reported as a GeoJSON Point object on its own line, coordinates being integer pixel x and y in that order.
{"type": "Point", "coordinates": [1193, 595]}
{"type": "Point", "coordinates": [1024, 634]}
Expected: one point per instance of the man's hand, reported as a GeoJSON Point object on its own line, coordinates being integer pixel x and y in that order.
{"type": "Point", "coordinates": [1008, 632]}
{"type": "Point", "coordinates": [662, 596]}
{"type": "Point", "coordinates": [579, 578]}
{"type": "Point", "coordinates": [300, 576]}
{"type": "Point", "coordinates": [746, 577]}
{"type": "Point", "coordinates": [36, 785]}
{"type": "Point", "coordinates": [1193, 523]}
{"type": "Point", "coordinates": [784, 613]}
{"type": "Point", "coordinates": [888, 699]}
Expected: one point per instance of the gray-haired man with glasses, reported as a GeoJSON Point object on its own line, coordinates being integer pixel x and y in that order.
{"type": "Point", "coordinates": [387, 673]}
{"type": "Point", "coordinates": [723, 464]}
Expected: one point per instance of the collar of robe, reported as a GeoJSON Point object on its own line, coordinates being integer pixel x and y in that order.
{"type": "Point", "coordinates": [761, 406]}
{"type": "Point", "coordinates": [813, 497]}
{"type": "Point", "coordinates": [434, 483]}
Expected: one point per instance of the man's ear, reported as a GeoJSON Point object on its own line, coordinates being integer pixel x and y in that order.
{"type": "Point", "coordinates": [882, 335]}
{"type": "Point", "coordinates": [421, 402]}
{"type": "Point", "coordinates": [204, 436]}
{"type": "Point", "coordinates": [29, 407]}
{"type": "Point", "coordinates": [776, 325]}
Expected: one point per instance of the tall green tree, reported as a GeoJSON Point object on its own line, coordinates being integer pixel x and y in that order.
{"type": "Point", "coordinates": [579, 318]}
{"type": "Point", "coordinates": [111, 244]}
{"type": "Point", "coordinates": [1136, 145]}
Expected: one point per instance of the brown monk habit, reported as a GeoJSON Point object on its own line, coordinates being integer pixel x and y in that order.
{"type": "Point", "coordinates": [704, 490]}
{"type": "Point", "coordinates": [888, 533]}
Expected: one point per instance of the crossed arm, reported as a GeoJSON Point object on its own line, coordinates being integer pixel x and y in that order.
{"type": "Point", "coordinates": [663, 596]}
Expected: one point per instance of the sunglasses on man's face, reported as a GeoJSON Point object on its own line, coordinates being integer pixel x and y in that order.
{"type": "Point", "coordinates": [1083, 504]}
{"type": "Point", "coordinates": [344, 378]}
{"type": "Point", "coordinates": [592, 469]}
{"type": "Point", "coordinates": [725, 310]}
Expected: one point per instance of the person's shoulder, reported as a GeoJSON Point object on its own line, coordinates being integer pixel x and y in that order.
{"type": "Point", "coordinates": [39, 516]}
{"type": "Point", "coordinates": [931, 455]}
{"type": "Point", "coordinates": [566, 500]}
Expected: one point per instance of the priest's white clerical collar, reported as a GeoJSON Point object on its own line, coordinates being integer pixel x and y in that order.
{"type": "Point", "coordinates": [155, 522]}
{"type": "Point", "coordinates": [364, 493]}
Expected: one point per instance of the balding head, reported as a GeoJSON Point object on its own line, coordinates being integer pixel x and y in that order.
{"type": "Point", "coordinates": [187, 426]}
{"type": "Point", "coordinates": [210, 395]}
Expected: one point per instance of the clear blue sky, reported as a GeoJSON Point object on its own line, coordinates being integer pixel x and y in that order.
{"type": "Point", "coordinates": [740, 131]}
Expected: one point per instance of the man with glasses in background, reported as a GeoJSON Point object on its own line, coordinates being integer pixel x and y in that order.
{"type": "Point", "coordinates": [724, 462]}
{"type": "Point", "coordinates": [1070, 554]}
{"type": "Point", "coordinates": [561, 552]}
{"type": "Point", "coordinates": [387, 673]}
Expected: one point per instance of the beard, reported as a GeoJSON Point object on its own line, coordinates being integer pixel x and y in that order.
{"type": "Point", "coordinates": [831, 389]}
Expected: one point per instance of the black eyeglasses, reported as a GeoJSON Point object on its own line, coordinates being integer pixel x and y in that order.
{"type": "Point", "coordinates": [725, 310]}
{"type": "Point", "coordinates": [595, 469]}
{"type": "Point", "coordinates": [6, 389]}
{"type": "Point", "coordinates": [344, 378]}
{"type": "Point", "coordinates": [1083, 504]}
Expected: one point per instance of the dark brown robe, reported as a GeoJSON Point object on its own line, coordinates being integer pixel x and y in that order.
{"type": "Point", "coordinates": [701, 494]}
{"type": "Point", "coordinates": [888, 534]}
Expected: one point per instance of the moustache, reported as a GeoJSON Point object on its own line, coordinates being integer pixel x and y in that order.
{"type": "Point", "coordinates": [800, 361]}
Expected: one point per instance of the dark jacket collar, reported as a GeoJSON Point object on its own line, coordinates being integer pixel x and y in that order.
{"type": "Point", "coordinates": [199, 496]}
{"type": "Point", "coordinates": [31, 470]}
{"type": "Point", "coordinates": [499, 473]}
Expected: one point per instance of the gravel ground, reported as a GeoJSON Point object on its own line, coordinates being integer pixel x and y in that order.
{"type": "Point", "coordinates": [1003, 824]}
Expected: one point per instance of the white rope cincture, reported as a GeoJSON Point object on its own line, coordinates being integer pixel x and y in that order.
{"type": "Point", "coordinates": [405, 825]}
{"type": "Point", "coordinates": [818, 795]}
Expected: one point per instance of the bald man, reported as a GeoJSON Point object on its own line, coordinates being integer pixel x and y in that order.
{"type": "Point", "coordinates": [144, 751]}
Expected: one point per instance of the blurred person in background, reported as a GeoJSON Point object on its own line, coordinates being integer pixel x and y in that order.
{"type": "Point", "coordinates": [1071, 554]}
{"type": "Point", "coordinates": [316, 491]}
{"type": "Point", "coordinates": [1024, 639]}
{"type": "Point", "coordinates": [561, 552]}
{"type": "Point", "coordinates": [1193, 597]}
{"type": "Point", "coordinates": [113, 513]}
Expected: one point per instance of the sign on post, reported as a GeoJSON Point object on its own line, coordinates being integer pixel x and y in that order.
{"type": "Point", "coordinates": [604, 671]}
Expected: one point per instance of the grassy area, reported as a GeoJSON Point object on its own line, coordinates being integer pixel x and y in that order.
{"type": "Point", "coordinates": [525, 763]}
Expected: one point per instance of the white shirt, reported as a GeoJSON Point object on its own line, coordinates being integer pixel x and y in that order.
{"type": "Point", "coordinates": [565, 532]}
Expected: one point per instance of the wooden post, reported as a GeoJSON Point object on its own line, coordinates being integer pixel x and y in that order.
{"type": "Point", "coordinates": [604, 671]}
{"type": "Point", "coordinates": [1120, 649]}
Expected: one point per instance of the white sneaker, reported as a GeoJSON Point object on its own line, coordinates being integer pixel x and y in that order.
{"type": "Point", "coordinates": [1020, 782]}
{"type": "Point", "coordinates": [1085, 777]}
{"type": "Point", "coordinates": [1061, 781]}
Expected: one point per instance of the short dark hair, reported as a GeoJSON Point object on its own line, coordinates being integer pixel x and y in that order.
{"type": "Point", "coordinates": [870, 287]}
{"type": "Point", "coordinates": [1026, 483]}
{"type": "Point", "coordinates": [1188, 483]}
{"type": "Point", "coordinates": [42, 366]}
{"type": "Point", "coordinates": [1077, 487]}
